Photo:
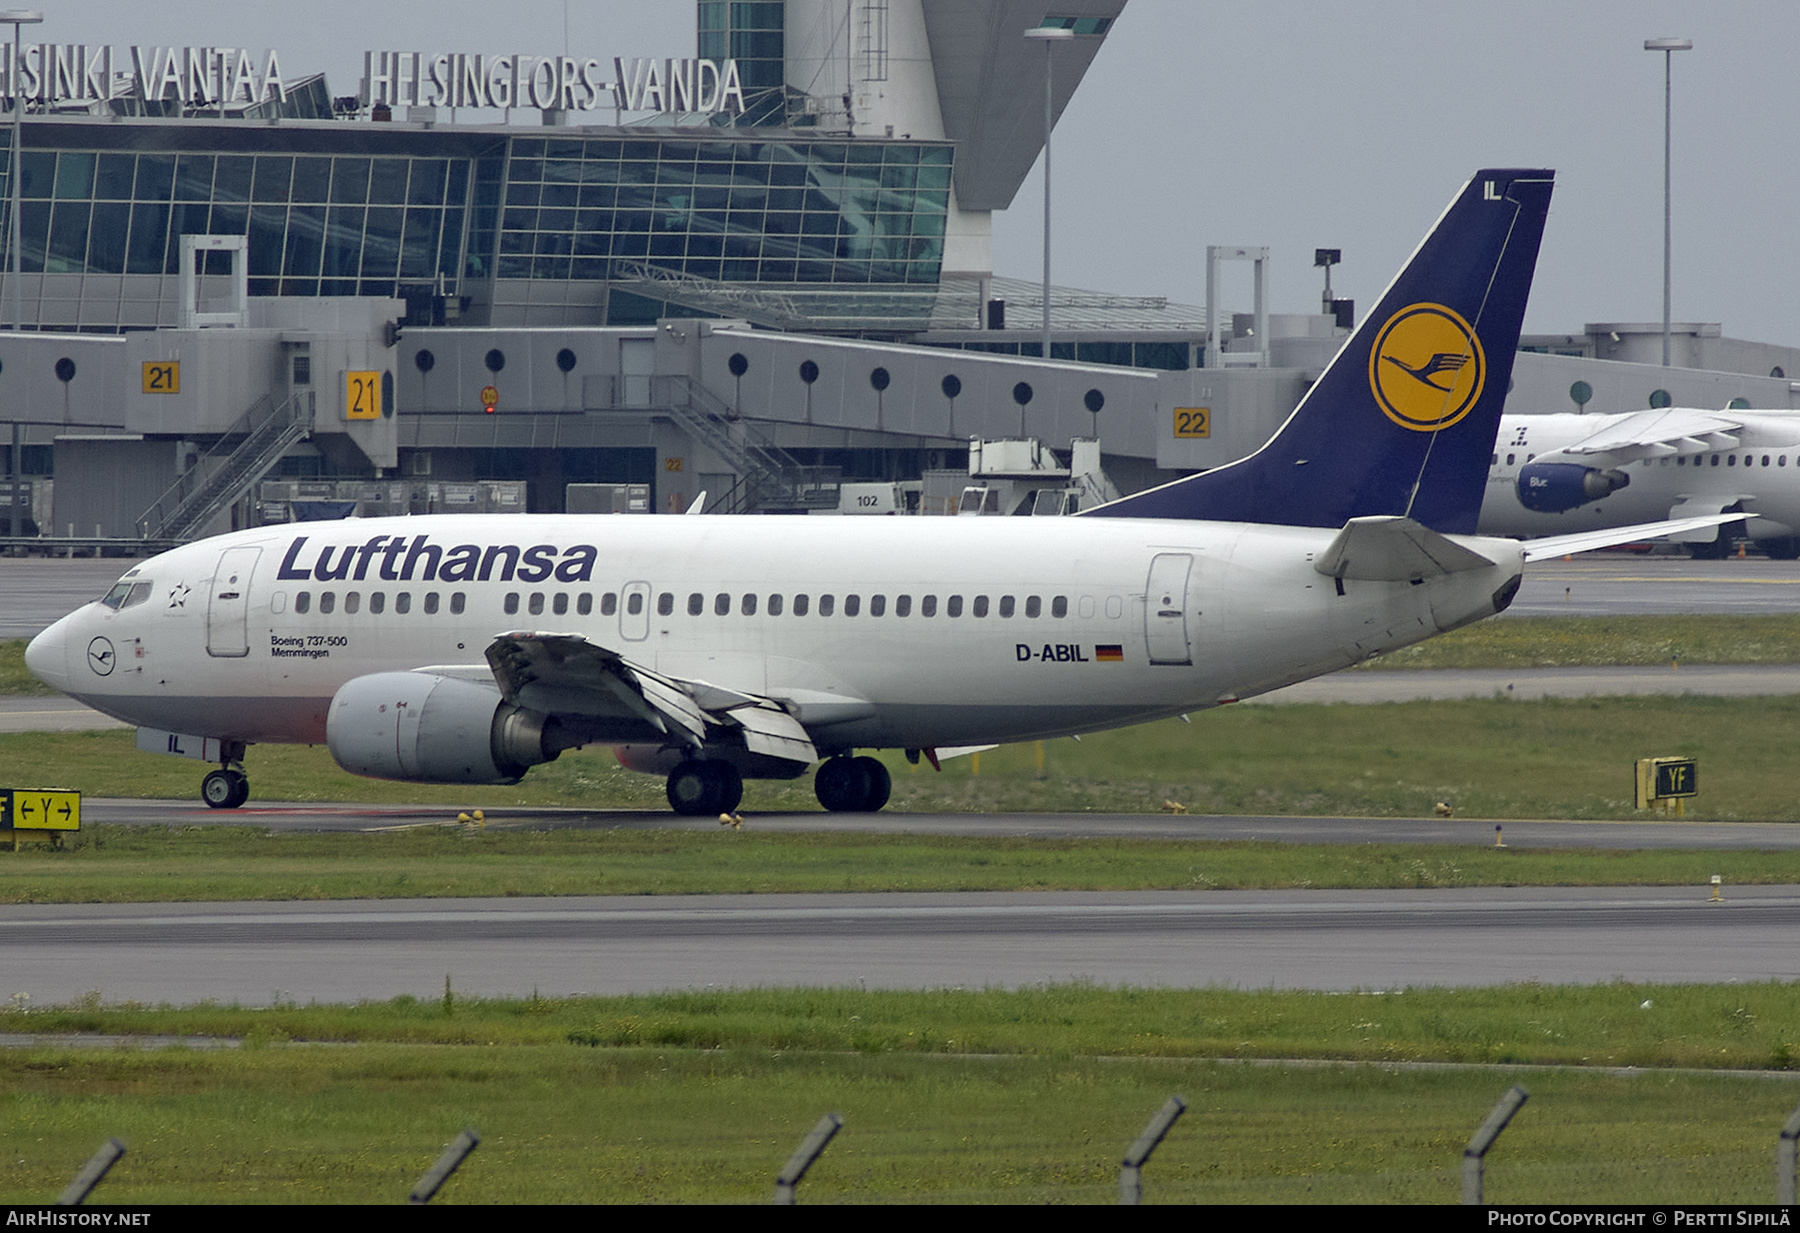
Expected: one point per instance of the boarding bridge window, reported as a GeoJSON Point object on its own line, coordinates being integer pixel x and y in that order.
{"type": "Point", "coordinates": [827, 605]}
{"type": "Point", "coordinates": [431, 603]}
{"type": "Point", "coordinates": [665, 604]}
{"type": "Point", "coordinates": [1034, 606]}
{"type": "Point", "coordinates": [560, 605]}
{"type": "Point", "coordinates": [302, 602]}
{"type": "Point", "coordinates": [953, 606]}
{"type": "Point", "coordinates": [928, 606]}
{"type": "Point", "coordinates": [377, 603]}
{"type": "Point", "coordinates": [696, 604]}
{"type": "Point", "coordinates": [980, 607]}
{"type": "Point", "coordinates": [1059, 607]}
{"type": "Point", "coordinates": [511, 604]}
{"type": "Point", "coordinates": [535, 605]}
{"type": "Point", "coordinates": [584, 603]}
{"type": "Point", "coordinates": [327, 601]}
{"type": "Point", "coordinates": [774, 605]}
{"type": "Point", "coordinates": [903, 605]}
{"type": "Point", "coordinates": [609, 603]}
{"type": "Point", "coordinates": [721, 604]}
{"type": "Point", "coordinates": [403, 603]}
{"type": "Point", "coordinates": [458, 601]}
{"type": "Point", "coordinates": [800, 605]}
{"type": "Point", "coordinates": [634, 604]}
{"type": "Point", "coordinates": [852, 605]}
{"type": "Point", "coordinates": [352, 601]}
{"type": "Point", "coordinates": [748, 605]}
{"type": "Point", "coordinates": [877, 605]}
{"type": "Point", "coordinates": [1006, 605]}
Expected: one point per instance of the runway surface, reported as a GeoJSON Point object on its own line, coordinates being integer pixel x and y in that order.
{"type": "Point", "coordinates": [256, 954]}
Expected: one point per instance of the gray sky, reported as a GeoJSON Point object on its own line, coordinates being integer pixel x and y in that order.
{"type": "Point", "coordinates": [1291, 123]}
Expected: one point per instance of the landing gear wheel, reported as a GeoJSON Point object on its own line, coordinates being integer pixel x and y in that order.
{"type": "Point", "coordinates": [852, 785]}
{"type": "Point", "coordinates": [1781, 547]}
{"type": "Point", "coordinates": [1717, 550]}
{"type": "Point", "coordinates": [225, 789]}
{"type": "Point", "coordinates": [696, 788]}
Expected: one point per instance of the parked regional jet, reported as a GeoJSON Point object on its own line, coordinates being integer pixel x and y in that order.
{"type": "Point", "coordinates": [1552, 474]}
{"type": "Point", "coordinates": [712, 648]}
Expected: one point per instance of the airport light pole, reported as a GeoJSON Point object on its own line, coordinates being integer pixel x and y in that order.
{"type": "Point", "coordinates": [19, 19]}
{"type": "Point", "coordinates": [1050, 36]}
{"type": "Point", "coordinates": [1668, 47]}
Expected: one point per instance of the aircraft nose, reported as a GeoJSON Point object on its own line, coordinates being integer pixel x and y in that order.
{"type": "Point", "coordinates": [47, 656]}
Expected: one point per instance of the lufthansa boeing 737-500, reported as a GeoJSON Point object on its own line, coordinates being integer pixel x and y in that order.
{"type": "Point", "coordinates": [707, 649]}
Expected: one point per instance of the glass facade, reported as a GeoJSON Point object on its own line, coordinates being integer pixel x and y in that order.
{"type": "Point", "coordinates": [755, 35]}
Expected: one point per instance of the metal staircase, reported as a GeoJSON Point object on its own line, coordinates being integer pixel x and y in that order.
{"type": "Point", "coordinates": [770, 478]}
{"type": "Point", "coordinates": [226, 473]}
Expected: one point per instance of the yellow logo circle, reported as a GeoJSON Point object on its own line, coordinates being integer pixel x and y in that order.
{"type": "Point", "coordinates": [1426, 368]}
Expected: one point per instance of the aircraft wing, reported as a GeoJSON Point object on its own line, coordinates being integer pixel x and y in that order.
{"type": "Point", "coordinates": [1586, 541]}
{"type": "Point", "coordinates": [1662, 433]}
{"type": "Point", "coordinates": [566, 675]}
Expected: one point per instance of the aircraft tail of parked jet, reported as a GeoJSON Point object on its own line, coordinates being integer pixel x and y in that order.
{"type": "Point", "coordinates": [1403, 420]}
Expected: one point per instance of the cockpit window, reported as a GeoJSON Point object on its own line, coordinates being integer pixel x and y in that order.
{"type": "Point", "coordinates": [127, 594]}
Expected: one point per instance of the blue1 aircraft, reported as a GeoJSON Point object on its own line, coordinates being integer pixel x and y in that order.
{"type": "Point", "coordinates": [710, 649]}
{"type": "Point", "coordinates": [1562, 473]}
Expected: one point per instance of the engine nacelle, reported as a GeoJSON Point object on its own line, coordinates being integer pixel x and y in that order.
{"type": "Point", "coordinates": [1552, 487]}
{"type": "Point", "coordinates": [433, 729]}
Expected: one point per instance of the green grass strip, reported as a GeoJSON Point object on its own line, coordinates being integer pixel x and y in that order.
{"type": "Point", "coordinates": [1570, 642]}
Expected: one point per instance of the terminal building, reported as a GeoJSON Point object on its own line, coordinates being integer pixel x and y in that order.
{"type": "Point", "coordinates": [757, 277]}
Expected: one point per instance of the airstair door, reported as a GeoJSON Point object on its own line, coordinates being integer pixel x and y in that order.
{"type": "Point", "coordinates": [228, 604]}
{"type": "Point", "coordinates": [1165, 609]}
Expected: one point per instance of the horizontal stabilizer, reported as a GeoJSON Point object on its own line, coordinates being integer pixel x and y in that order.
{"type": "Point", "coordinates": [1391, 549]}
{"type": "Point", "coordinates": [1587, 541]}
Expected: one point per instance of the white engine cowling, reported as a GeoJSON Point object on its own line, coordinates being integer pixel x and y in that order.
{"type": "Point", "coordinates": [432, 729]}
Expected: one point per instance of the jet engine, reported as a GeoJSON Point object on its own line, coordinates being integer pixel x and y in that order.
{"type": "Point", "coordinates": [1552, 487]}
{"type": "Point", "coordinates": [435, 729]}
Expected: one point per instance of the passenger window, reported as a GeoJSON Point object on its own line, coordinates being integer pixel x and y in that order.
{"type": "Point", "coordinates": [903, 605]}
{"type": "Point", "coordinates": [1006, 605]}
{"type": "Point", "coordinates": [560, 605]}
{"type": "Point", "coordinates": [609, 604]}
{"type": "Point", "coordinates": [953, 606]}
{"type": "Point", "coordinates": [634, 603]}
{"type": "Point", "coordinates": [748, 605]}
{"type": "Point", "coordinates": [826, 605]}
{"type": "Point", "coordinates": [928, 606]}
{"type": "Point", "coordinates": [1115, 607]}
{"type": "Point", "coordinates": [327, 601]}
{"type": "Point", "coordinates": [352, 601]}
{"type": "Point", "coordinates": [403, 602]}
{"type": "Point", "coordinates": [877, 605]}
{"type": "Point", "coordinates": [774, 605]}
{"type": "Point", "coordinates": [1509, 459]}
{"type": "Point", "coordinates": [696, 604]}
{"type": "Point", "coordinates": [721, 604]}
{"type": "Point", "coordinates": [1731, 460]}
{"type": "Point", "coordinates": [665, 603]}
{"type": "Point", "coordinates": [302, 601]}
{"type": "Point", "coordinates": [1765, 460]}
{"type": "Point", "coordinates": [1087, 607]}
{"type": "Point", "coordinates": [1781, 460]}
{"type": "Point", "coordinates": [535, 605]}
{"type": "Point", "coordinates": [1034, 606]}
{"type": "Point", "coordinates": [800, 605]}
{"type": "Point", "coordinates": [458, 601]}
{"type": "Point", "coordinates": [852, 605]}
{"type": "Point", "coordinates": [431, 602]}
{"type": "Point", "coordinates": [584, 603]}
{"type": "Point", "coordinates": [1059, 607]}
{"type": "Point", "coordinates": [377, 602]}
{"type": "Point", "coordinates": [511, 605]}
{"type": "Point", "coordinates": [980, 607]}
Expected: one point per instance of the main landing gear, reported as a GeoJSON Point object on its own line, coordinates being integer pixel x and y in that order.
{"type": "Point", "coordinates": [852, 785]}
{"type": "Point", "coordinates": [225, 788]}
{"type": "Point", "coordinates": [697, 789]}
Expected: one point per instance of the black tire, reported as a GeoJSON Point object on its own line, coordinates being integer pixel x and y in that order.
{"type": "Point", "coordinates": [1780, 547]}
{"type": "Point", "coordinates": [225, 789]}
{"type": "Point", "coordinates": [1717, 550]}
{"type": "Point", "coordinates": [878, 785]}
{"type": "Point", "coordinates": [730, 784]}
{"type": "Point", "coordinates": [694, 790]}
{"type": "Point", "coordinates": [841, 784]}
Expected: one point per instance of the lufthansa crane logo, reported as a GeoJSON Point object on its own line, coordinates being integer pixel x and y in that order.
{"type": "Point", "coordinates": [100, 656]}
{"type": "Point", "coordinates": [1426, 368]}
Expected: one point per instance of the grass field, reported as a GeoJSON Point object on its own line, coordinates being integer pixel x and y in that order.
{"type": "Point", "coordinates": [1487, 758]}
{"type": "Point", "coordinates": [947, 1097]}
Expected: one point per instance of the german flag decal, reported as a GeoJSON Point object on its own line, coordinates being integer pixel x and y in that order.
{"type": "Point", "coordinates": [1114, 654]}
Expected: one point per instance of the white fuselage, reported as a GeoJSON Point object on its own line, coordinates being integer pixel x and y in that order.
{"type": "Point", "coordinates": [1760, 474]}
{"type": "Point", "coordinates": [964, 631]}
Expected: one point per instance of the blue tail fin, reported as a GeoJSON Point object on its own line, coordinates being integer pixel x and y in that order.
{"type": "Point", "coordinates": [1403, 420]}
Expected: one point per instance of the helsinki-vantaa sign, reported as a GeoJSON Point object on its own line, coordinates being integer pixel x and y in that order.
{"type": "Point", "coordinates": [78, 73]}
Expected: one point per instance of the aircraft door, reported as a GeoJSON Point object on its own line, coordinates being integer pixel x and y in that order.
{"type": "Point", "coordinates": [1165, 609]}
{"type": "Point", "coordinates": [228, 604]}
{"type": "Point", "coordinates": [634, 612]}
